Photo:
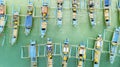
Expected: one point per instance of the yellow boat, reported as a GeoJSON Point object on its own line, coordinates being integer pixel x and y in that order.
{"type": "Point", "coordinates": [81, 55]}
{"type": "Point", "coordinates": [98, 49]}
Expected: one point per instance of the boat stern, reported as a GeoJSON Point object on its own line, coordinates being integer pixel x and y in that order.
{"type": "Point", "coordinates": [1, 29]}
{"type": "Point", "coordinates": [27, 31]}
{"type": "Point", "coordinates": [74, 22]}
{"type": "Point", "coordinates": [59, 22]}
{"type": "Point", "coordinates": [13, 40]}
{"type": "Point", "coordinates": [43, 33]}
{"type": "Point", "coordinates": [112, 57]}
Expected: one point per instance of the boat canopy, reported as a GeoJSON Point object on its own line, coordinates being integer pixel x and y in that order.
{"type": "Point", "coordinates": [28, 22]}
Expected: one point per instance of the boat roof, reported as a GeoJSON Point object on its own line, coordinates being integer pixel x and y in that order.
{"type": "Point", "coordinates": [115, 35]}
{"type": "Point", "coordinates": [107, 2]}
{"type": "Point", "coordinates": [32, 51]}
{"type": "Point", "coordinates": [28, 22]}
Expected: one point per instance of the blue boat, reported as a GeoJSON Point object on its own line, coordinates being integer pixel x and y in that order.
{"type": "Point", "coordinates": [28, 22]}
{"type": "Point", "coordinates": [32, 52]}
{"type": "Point", "coordinates": [116, 35]}
{"type": "Point", "coordinates": [3, 17]}
{"type": "Point", "coordinates": [114, 45]}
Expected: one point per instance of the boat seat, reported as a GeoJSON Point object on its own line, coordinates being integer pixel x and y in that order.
{"type": "Point", "coordinates": [15, 31]}
{"type": "Point", "coordinates": [44, 10]}
{"type": "Point", "coordinates": [91, 15]}
{"type": "Point", "coordinates": [60, 1]}
{"type": "Point", "coordinates": [1, 22]}
{"type": "Point", "coordinates": [16, 23]}
{"type": "Point", "coordinates": [66, 49]}
{"type": "Point", "coordinates": [33, 64]}
{"type": "Point", "coordinates": [59, 14]}
{"type": "Point", "coordinates": [74, 15]}
{"type": "Point", "coordinates": [107, 18]}
{"type": "Point", "coordinates": [15, 18]}
{"type": "Point", "coordinates": [2, 9]}
{"type": "Point", "coordinates": [44, 24]}
{"type": "Point", "coordinates": [80, 63]}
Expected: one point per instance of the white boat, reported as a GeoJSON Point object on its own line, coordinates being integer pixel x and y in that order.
{"type": "Point", "coordinates": [15, 27]}
{"type": "Point", "coordinates": [65, 53]}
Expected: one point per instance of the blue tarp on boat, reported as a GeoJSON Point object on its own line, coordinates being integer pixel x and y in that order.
{"type": "Point", "coordinates": [107, 2]}
{"type": "Point", "coordinates": [28, 22]}
{"type": "Point", "coordinates": [115, 36]}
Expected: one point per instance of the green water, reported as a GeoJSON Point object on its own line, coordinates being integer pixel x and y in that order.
{"type": "Point", "coordinates": [10, 55]}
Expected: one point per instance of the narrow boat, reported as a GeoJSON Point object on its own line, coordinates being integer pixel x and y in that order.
{"type": "Point", "coordinates": [3, 17]}
{"type": "Point", "coordinates": [81, 55]}
{"type": "Point", "coordinates": [49, 46]}
{"type": "Point", "coordinates": [119, 10]}
{"type": "Point", "coordinates": [74, 10]}
{"type": "Point", "coordinates": [28, 22]}
{"type": "Point", "coordinates": [44, 19]}
{"type": "Point", "coordinates": [15, 27]}
{"type": "Point", "coordinates": [98, 49]}
{"type": "Point", "coordinates": [65, 53]}
{"type": "Point", "coordinates": [91, 9]}
{"type": "Point", "coordinates": [59, 12]}
{"type": "Point", "coordinates": [32, 53]}
{"type": "Point", "coordinates": [107, 12]}
{"type": "Point", "coordinates": [114, 45]}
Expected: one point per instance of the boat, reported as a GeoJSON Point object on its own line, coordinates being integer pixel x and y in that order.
{"type": "Point", "coordinates": [44, 19]}
{"type": "Point", "coordinates": [74, 10]}
{"type": "Point", "coordinates": [28, 22]}
{"type": "Point", "coordinates": [59, 12]}
{"type": "Point", "coordinates": [81, 55]}
{"type": "Point", "coordinates": [107, 12]}
{"type": "Point", "coordinates": [119, 10]}
{"type": "Point", "coordinates": [15, 27]}
{"type": "Point", "coordinates": [98, 50]}
{"type": "Point", "coordinates": [3, 17]}
{"type": "Point", "coordinates": [114, 45]}
{"type": "Point", "coordinates": [91, 9]}
{"type": "Point", "coordinates": [49, 46]}
{"type": "Point", "coordinates": [32, 53]}
{"type": "Point", "coordinates": [65, 53]}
